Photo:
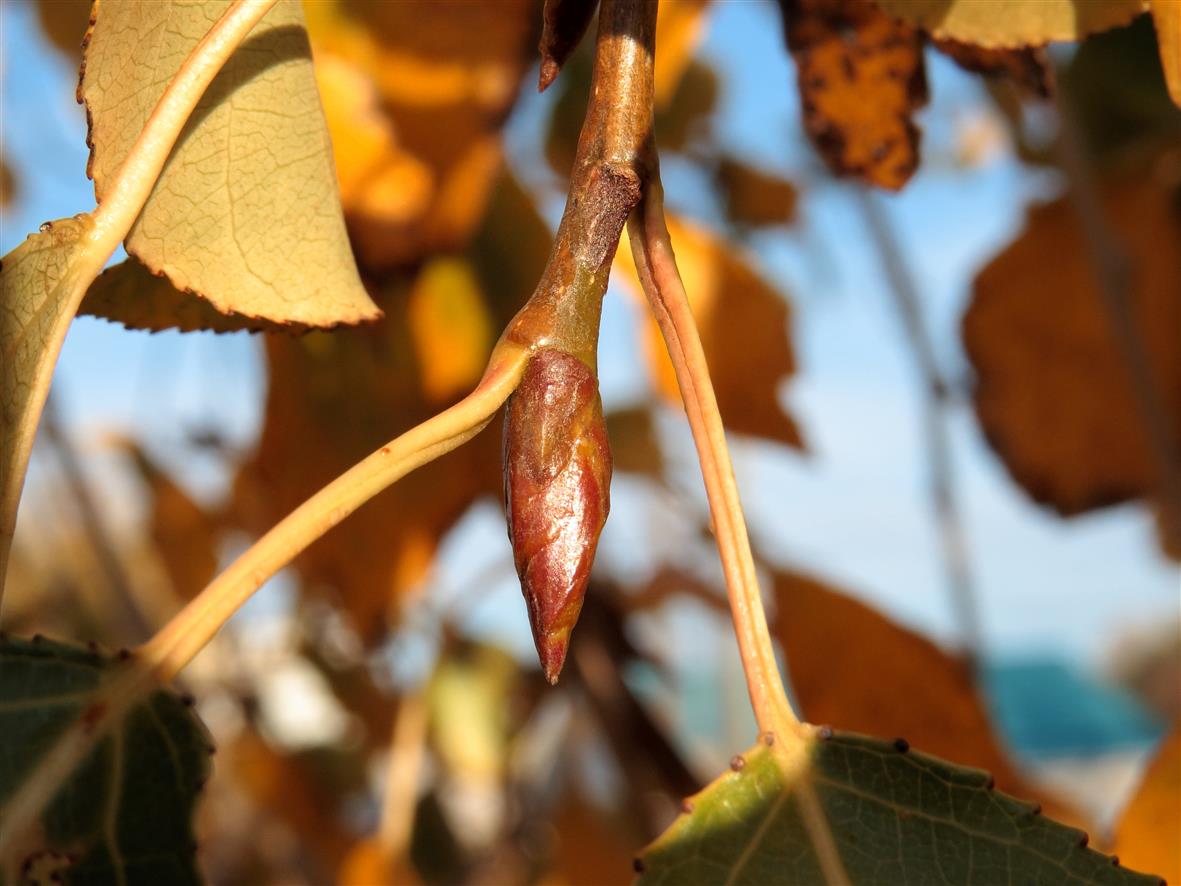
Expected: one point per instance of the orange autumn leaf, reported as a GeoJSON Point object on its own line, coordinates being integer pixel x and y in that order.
{"type": "Point", "coordinates": [415, 94]}
{"type": "Point", "coordinates": [184, 534]}
{"type": "Point", "coordinates": [368, 864]}
{"type": "Point", "coordinates": [1027, 68]}
{"type": "Point", "coordinates": [1149, 834]}
{"type": "Point", "coordinates": [744, 325]}
{"type": "Point", "coordinates": [853, 668]}
{"type": "Point", "coordinates": [861, 76]}
{"type": "Point", "coordinates": [588, 851]}
{"type": "Point", "coordinates": [680, 25]}
{"type": "Point", "coordinates": [1166, 15]}
{"type": "Point", "coordinates": [1053, 393]}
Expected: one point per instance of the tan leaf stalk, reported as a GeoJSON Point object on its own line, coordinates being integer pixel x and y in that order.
{"type": "Point", "coordinates": [657, 269]}
{"type": "Point", "coordinates": [112, 220]}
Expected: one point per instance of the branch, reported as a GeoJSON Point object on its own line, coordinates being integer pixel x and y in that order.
{"type": "Point", "coordinates": [657, 270]}
{"type": "Point", "coordinates": [952, 537]}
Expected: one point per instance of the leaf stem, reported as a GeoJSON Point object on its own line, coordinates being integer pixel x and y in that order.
{"type": "Point", "coordinates": [657, 270]}
{"type": "Point", "coordinates": [177, 642]}
{"type": "Point", "coordinates": [158, 660]}
{"type": "Point", "coordinates": [112, 220]}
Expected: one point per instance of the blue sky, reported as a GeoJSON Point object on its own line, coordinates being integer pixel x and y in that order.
{"type": "Point", "coordinates": [855, 510]}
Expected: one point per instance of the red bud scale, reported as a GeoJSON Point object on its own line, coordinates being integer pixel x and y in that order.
{"type": "Point", "coordinates": [557, 479]}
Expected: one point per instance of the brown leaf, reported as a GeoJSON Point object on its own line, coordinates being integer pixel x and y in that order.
{"type": "Point", "coordinates": [1053, 394]}
{"type": "Point", "coordinates": [8, 189]}
{"type": "Point", "coordinates": [589, 850]}
{"type": "Point", "coordinates": [417, 95]}
{"type": "Point", "coordinates": [854, 669]}
{"type": "Point", "coordinates": [1028, 68]}
{"type": "Point", "coordinates": [744, 330]}
{"type": "Point", "coordinates": [185, 535]}
{"type": "Point", "coordinates": [1000, 23]}
{"type": "Point", "coordinates": [1147, 837]}
{"type": "Point", "coordinates": [861, 76]}
{"type": "Point", "coordinates": [64, 23]}
{"type": "Point", "coordinates": [754, 197]}
{"type": "Point", "coordinates": [634, 447]}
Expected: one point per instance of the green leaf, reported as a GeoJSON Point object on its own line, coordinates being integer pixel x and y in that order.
{"type": "Point", "coordinates": [125, 815]}
{"type": "Point", "coordinates": [247, 210]}
{"type": "Point", "coordinates": [890, 816]}
{"type": "Point", "coordinates": [41, 282]}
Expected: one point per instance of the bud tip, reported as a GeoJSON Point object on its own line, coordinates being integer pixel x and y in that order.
{"type": "Point", "coordinates": [551, 650]}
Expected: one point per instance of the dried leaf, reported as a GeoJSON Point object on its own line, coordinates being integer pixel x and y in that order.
{"type": "Point", "coordinates": [744, 330]}
{"type": "Point", "coordinates": [247, 211]}
{"type": "Point", "coordinates": [8, 189]}
{"type": "Point", "coordinates": [419, 115]}
{"type": "Point", "coordinates": [861, 76]}
{"type": "Point", "coordinates": [368, 864]}
{"type": "Point", "coordinates": [1166, 15]}
{"type": "Point", "coordinates": [130, 294]}
{"type": "Point", "coordinates": [589, 850]}
{"type": "Point", "coordinates": [1053, 395]}
{"type": "Point", "coordinates": [634, 446]}
{"type": "Point", "coordinates": [64, 23]}
{"type": "Point", "coordinates": [853, 668]}
{"type": "Point", "coordinates": [1010, 23]}
{"type": "Point", "coordinates": [185, 535]}
{"type": "Point", "coordinates": [754, 197]}
{"type": "Point", "coordinates": [1149, 833]}
{"type": "Point", "coordinates": [1028, 69]}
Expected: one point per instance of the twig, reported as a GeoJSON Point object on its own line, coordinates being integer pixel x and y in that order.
{"type": "Point", "coordinates": [92, 521]}
{"type": "Point", "coordinates": [1114, 274]}
{"type": "Point", "coordinates": [957, 567]}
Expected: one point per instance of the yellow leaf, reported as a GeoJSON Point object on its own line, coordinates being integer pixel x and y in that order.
{"type": "Point", "coordinates": [1008, 23]}
{"type": "Point", "coordinates": [1149, 833]}
{"type": "Point", "coordinates": [743, 323]}
{"type": "Point", "coordinates": [1166, 15]}
{"type": "Point", "coordinates": [451, 328]}
{"type": "Point", "coordinates": [680, 25]}
{"type": "Point", "coordinates": [429, 87]}
{"type": "Point", "coordinates": [246, 212]}
{"type": "Point", "coordinates": [41, 282]}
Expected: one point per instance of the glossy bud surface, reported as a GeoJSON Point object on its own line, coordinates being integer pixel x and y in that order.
{"type": "Point", "coordinates": [557, 478]}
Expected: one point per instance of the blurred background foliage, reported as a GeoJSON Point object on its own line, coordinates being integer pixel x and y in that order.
{"type": "Point", "coordinates": [375, 722]}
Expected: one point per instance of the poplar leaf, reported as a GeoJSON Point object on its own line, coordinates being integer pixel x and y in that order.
{"type": "Point", "coordinates": [875, 811]}
{"type": "Point", "coordinates": [1010, 23]}
{"type": "Point", "coordinates": [41, 281]}
{"type": "Point", "coordinates": [125, 815]}
{"type": "Point", "coordinates": [246, 213]}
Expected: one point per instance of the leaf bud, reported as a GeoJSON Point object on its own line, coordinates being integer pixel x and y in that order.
{"type": "Point", "coordinates": [557, 479]}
